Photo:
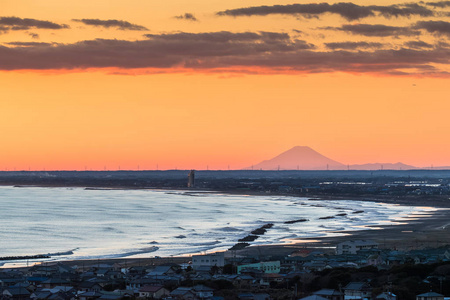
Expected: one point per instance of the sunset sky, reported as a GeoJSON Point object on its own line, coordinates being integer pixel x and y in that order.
{"type": "Point", "coordinates": [194, 84]}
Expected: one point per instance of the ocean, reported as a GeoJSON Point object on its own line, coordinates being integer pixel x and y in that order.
{"type": "Point", "coordinates": [77, 223]}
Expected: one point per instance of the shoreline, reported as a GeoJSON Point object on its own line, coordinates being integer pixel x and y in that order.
{"type": "Point", "coordinates": [419, 232]}
{"type": "Point", "coordinates": [438, 201]}
{"type": "Point", "coordinates": [429, 232]}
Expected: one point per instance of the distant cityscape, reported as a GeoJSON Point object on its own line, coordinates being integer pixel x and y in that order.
{"type": "Point", "coordinates": [389, 184]}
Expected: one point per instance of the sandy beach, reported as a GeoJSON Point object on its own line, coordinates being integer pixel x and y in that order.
{"type": "Point", "coordinates": [429, 230]}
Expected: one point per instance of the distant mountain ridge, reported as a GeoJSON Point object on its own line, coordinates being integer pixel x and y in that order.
{"type": "Point", "coordinates": [305, 158]}
{"type": "Point", "coordinates": [302, 158]}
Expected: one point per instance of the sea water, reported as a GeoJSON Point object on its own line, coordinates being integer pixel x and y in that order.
{"type": "Point", "coordinates": [77, 223]}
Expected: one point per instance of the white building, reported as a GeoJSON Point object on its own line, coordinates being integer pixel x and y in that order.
{"type": "Point", "coordinates": [208, 260]}
{"type": "Point", "coordinates": [351, 247]}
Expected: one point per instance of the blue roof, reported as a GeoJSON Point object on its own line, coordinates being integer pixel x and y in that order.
{"type": "Point", "coordinates": [430, 294]}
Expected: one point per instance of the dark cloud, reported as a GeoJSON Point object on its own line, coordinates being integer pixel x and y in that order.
{"type": "Point", "coordinates": [187, 16]}
{"type": "Point", "coordinates": [159, 51]}
{"type": "Point", "coordinates": [442, 44]}
{"type": "Point", "coordinates": [34, 35]}
{"type": "Point", "coordinates": [300, 44]}
{"type": "Point", "coordinates": [437, 27]}
{"type": "Point", "coordinates": [28, 44]}
{"type": "Point", "coordinates": [418, 45]}
{"type": "Point", "coordinates": [119, 24]}
{"type": "Point", "coordinates": [404, 10]}
{"type": "Point", "coordinates": [440, 4]}
{"type": "Point", "coordinates": [347, 10]}
{"type": "Point", "coordinates": [221, 36]}
{"type": "Point", "coordinates": [219, 52]}
{"type": "Point", "coordinates": [378, 30]}
{"type": "Point", "coordinates": [15, 23]}
{"type": "Point", "coordinates": [353, 45]}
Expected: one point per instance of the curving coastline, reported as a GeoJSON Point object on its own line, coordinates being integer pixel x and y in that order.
{"type": "Point", "coordinates": [426, 230]}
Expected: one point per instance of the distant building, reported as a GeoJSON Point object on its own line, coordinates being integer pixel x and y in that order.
{"type": "Point", "coordinates": [208, 260]}
{"type": "Point", "coordinates": [351, 247]}
{"type": "Point", "coordinates": [430, 296]}
{"type": "Point", "coordinates": [153, 291]}
{"type": "Point", "coordinates": [184, 293]}
{"type": "Point", "coordinates": [266, 266]}
{"type": "Point", "coordinates": [357, 291]}
{"type": "Point", "coordinates": [386, 296]}
{"type": "Point", "coordinates": [329, 294]}
{"type": "Point", "coordinates": [314, 297]}
{"type": "Point", "coordinates": [191, 179]}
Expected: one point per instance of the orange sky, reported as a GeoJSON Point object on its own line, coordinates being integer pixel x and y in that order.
{"type": "Point", "coordinates": [147, 88]}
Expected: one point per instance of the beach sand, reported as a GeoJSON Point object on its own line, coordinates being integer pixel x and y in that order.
{"type": "Point", "coordinates": [423, 231]}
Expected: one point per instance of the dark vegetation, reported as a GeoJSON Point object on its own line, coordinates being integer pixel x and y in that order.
{"type": "Point", "coordinates": [406, 281]}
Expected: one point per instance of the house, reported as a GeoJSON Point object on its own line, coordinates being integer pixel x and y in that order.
{"type": "Point", "coordinates": [430, 296]}
{"type": "Point", "coordinates": [16, 293]}
{"type": "Point", "coordinates": [386, 296]}
{"type": "Point", "coordinates": [240, 280]}
{"type": "Point", "coordinates": [167, 279]}
{"type": "Point", "coordinates": [209, 260]}
{"type": "Point", "coordinates": [184, 293]}
{"type": "Point", "coordinates": [35, 280]}
{"type": "Point", "coordinates": [352, 247]}
{"type": "Point", "coordinates": [140, 282]}
{"type": "Point", "coordinates": [44, 294]}
{"type": "Point", "coordinates": [315, 265]}
{"type": "Point", "coordinates": [53, 282]}
{"type": "Point", "coordinates": [116, 295]}
{"type": "Point", "coordinates": [203, 292]}
{"type": "Point", "coordinates": [100, 280]}
{"type": "Point", "coordinates": [153, 291]}
{"type": "Point", "coordinates": [358, 291]}
{"type": "Point", "coordinates": [266, 266]}
{"type": "Point", "coordinates": [123, 293]}
{"type": "Point", "coordinates": [88, 286]}
{"type": "Point", "coordinates": [25, 285]}
{"type": "Point", "coordinates": [89, 295]}
{"type": "Point", "coordinates": [163, 270]}
{"type": "Point", "coordinates": [250, 296]}
{"type": "Point", "coordinates": [113, 275]}
{"type": "Point", "coordinates": [48, 269]}
{"type": "Point", "coordinates": [314, 297]}
{"type": "Point", "coordinates": [329, 294]}
{"type": "Point", "coordinates": [201, 277]}
{"type": "Point", "coordinates": [61, 289]}
{"type": "Point", "coordinates": [10, 281]}
{"type": "Point", "coordinates": [136, 270]}
{"type": "Point", "coordinates": [375, 260]}
{"type": "Point", "coordinates": [272, 277]}
{"type": "Point", "coordinates": [62, 296]}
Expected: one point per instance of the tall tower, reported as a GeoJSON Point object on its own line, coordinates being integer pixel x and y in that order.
{"type": "Point", "coordinates": [191, 179]}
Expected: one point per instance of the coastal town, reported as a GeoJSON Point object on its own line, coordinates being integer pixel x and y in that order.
{"type": "Point", "coordinates": [403, 262]}
{"type": "Point", "coordinates": [353, 270]}
{"type": "Point", "coordinates": [225, 150]}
